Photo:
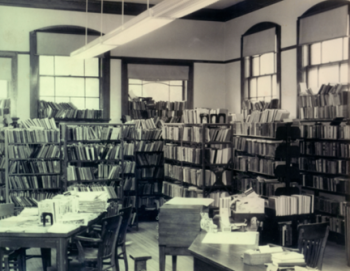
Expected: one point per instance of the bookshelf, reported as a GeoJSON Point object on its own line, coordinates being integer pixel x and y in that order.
{"type": "Point", "coordinates": [325, 170]}
{"type": "Point", "coordinates": [197, 160]}
{"type": "Point", "coordinates": [32, 164]}
{"type": "Point", "coordinates": [92, 155]}
{"type": "Point", "coordinates": [2, 166]}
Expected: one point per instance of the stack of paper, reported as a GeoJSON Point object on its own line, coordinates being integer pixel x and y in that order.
{"type": "Point", "coordinates": [288, 258]}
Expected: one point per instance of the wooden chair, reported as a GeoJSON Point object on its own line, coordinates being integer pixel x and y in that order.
{"type": "Point", "coordinates": [126, 214]}
{"type": "Point", "coordinates": [312, 243]}
{"type": "Point", "coordinates": [106, 250]}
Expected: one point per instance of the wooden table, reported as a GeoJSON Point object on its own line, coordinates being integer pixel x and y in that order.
{"type": "Point", "coordinates": [220, 257]}
{"type": "Point", "coordinates": [45, 241]}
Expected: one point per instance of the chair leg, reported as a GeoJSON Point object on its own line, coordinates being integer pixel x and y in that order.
{"type": "Point", "coordinates": [6, 261]}
{"type": "Point", "coordinates": [125, 258]}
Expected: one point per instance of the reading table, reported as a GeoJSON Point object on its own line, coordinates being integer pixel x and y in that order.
{"type": "Point", "coordinates": [220, 257]}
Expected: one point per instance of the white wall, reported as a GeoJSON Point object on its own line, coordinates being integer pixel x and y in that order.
{"type": "Point", "coordinates": [233, 87]}
{"type": "Point", "coordinates": [209, 85]}
{"type": "Point", "coordinates": [23, 87]}
{"type": "Point", "coordinates": [116, 91]}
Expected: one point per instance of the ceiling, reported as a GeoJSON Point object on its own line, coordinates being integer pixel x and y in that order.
{"type": "Point", "coordinates": [221, 11]}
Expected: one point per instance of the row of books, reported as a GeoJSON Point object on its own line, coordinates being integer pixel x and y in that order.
{"type": "Point", "coordinates": [333, 184]}
{"type": "Point", "coordinates": [256, 129]}
{"type": "Point", "coordinates": [185, 154]}
{"type": "Point", "coordinates": [160, 105]}
{"type": "Point", "coordinates": [39, 167]}
{"type": "Point", "coordinates": [205, 115]}
{"type": "Point", "coordinates": [259, 105]}
{"type": "Point", "coordinates": [28, 198]}
{"type": "Point", "coordinates": [152, 172]}
{"type": "Point", "coordinates": [336, 94]}
{"type": "Point", "coordinates": [144, 146]}
{"type": "Point", "coordinates": [129, 167]}
{"type": "Point", "coordinates": [129, 148]}
{"type": "Point", "coordinates": [146, 124]}
{"type": "Point", "coordinates": [155, 159]}
{"type": "Point", "coordinates": [94, 132]}
{"type": "Point", "coordinates": [34, 182]}
{"type": "Point", "coordinates": [261, 186]}
{"type": "Point", "coordinates": [216, 196]}
{"type": "Point", "coordinates": [148, 189]}
{"type": "Point", "coordinates": [129, 201]}
{"type": "Point", "coordinates": [325, 131]}
{"type": "Point", "coordinates": [32, 136]}
{"type": "Point", "coordinates": [129, 184]}
{"type": "Point", "coordinates": [267, 116]}
{"type": "Point", "coordinates": [256, 164]}
{"type": "Point", "coordinates": [149, 134]}
{"type": "Point", "coordinates": [218, 156]}
{"type": "Point", "coordinates": [324, 148]}
{"type": "Point", "coordinates": [195, 133]}
{"type": "Point", "coordinates": [150, 203]}
{"type": "Point", "coordinates": [332, 166]}
{"type": "Point", "coordinates": [292, 205]}
{"type": "Point", "coordinates": [66, 110]}
{"type": "Point", "coordinates": [324, 112]}
{"type": "Point", "coordinates": [44, 123]}
{"type": "Point", "coordinates": [256, 147]}
{"type": "Point", "coordinates": [176, 190]}
{"type": "Point", "coordinates": [33, 151]}
{"type": "Point", "coordinates": [336, 224]}
{"type": "Point", "coordinates": [331, 206]}
{"type": "Point", "coordinates": [114, 192]}
{"type": "Point", "coordinates": [75, 173]}
{"type": "Point", "coordinates": [104, 170]}
{"type": "Point", "coordinates": [92, 152]}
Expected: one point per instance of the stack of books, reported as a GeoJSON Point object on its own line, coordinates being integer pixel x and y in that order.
{"type": "Point", "coordinates": [288, 259]}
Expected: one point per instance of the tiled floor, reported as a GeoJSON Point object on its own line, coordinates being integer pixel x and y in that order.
{"type": "Point", "coordinates": [144, 242]}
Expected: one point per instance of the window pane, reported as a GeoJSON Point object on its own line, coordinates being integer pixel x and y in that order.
{"type": "Point", "coordinates": [47, 86]}
{"type": "Point", "coordinates": [69, 86]}
{"type": "Point", "coordinates": [158, 91]}
{"type": "Point", "coordinates": [255, 64]}
{"type": "Point", "coordinates": [275, 93]}
{"type": "Point", "coordinates": [252, 88]}
{"type": "Point", "coordinates": [345, 48]}
{"type": "Point", "coordinates": [135, 91]}
{"type": "Point", "coordinates": [246, 67]}
{"type": "Point", "coordinates": [47, 98]}
{"type": "Point", "coordinates": [313, 80]}
{"type": "Point", "coordinates": [332, 50]}
{"type": "Point", "coordinates": [92, 103]}
{"type": "Point", "coordinates": [246, 94]}
{"type": "Point", "coordinates": [62, 99]}
{"type": "Point", "coordinates": [91, 67]}
{"type": "Point", "coordinates": [46, 65]}
{"type": "Point", "coordinates": [329, 74]}
{"type": "Point", "coordinates": [176, 83]}
{"type": "Point", "coordinates": [65, 65]}
{"type": "Point", "coordinates": [264, 86]}
{"type": "Point", "coordinates": [305, 53]}
{"type": "Point", "coordinates": [3, 89]}
{"type": "Point", "coordinates": [267, 63]}
{"type": "Point", "coordinates": [78, 102]}
{"type": "Point", "coordinates": [344, 73]}
{"type": "Point", "coordinates": [315, 53]}
{"type": "Point", "coordinates": [175, 94]}
{"type": "Point", "coordinates": [135, 81]}
{"type": "Point", "coordinates": [92, 87]}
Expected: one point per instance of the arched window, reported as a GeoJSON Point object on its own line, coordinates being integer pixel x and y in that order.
{"type": "Point", "coordinates": [61, 78]}
{"type": "Point", "coordinates": [323, 58]}
{"type": "Point", "coordinates": [260, 51]}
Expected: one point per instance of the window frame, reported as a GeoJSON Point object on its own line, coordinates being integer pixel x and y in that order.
{"type": "Point", "coordinates": [104, 68]}
{"type": "Point", "coordinates": [255, 29]}
{"type": "Point", "coordinates": [302, 74]}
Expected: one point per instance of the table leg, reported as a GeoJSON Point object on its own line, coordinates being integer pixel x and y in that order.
{"type": "Point", "coordinates": [161, 258]}
{"type": "Point", "coordinates": [61, 254]}
{"type": "Point", "coordinates": [23, 259]}
{"type": "Point", "coordinates": [174, 262]}
{"type": "Point", "coordinates": [46, 257]}
{"type": "Point", "coordinates": [2, 256]}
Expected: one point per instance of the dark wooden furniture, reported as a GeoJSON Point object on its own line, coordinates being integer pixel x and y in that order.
{"type": "Point", "coordinates": [312, 243]}
{"type": "Point", "coordinates": [347, 231]}
{"type": "Point", "coordinates": [106, 245]}
{"type": "Point", "coordinates": [43, 240]}
{"type": "Point", "coordinates": [140, 262]}
{"type": "Point", "coordinates": [220, 257]}
{"type": "Point", "coordinates": [126, 217]}
{"type": "Point", "coordinates": [178, 227]}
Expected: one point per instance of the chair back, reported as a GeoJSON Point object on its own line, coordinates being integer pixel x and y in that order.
{"type": "Point", "coordinates": [312, 243]}
{"type": "Point", "coordinates": [110, 230]}
{"type": "Point", "coordinates": [126, 214]}
{"type": "Point", "coordinates": [7, 210]}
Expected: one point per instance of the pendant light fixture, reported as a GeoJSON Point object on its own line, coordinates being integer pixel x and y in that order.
{"type": "Point", "coordinates": [148, 21]}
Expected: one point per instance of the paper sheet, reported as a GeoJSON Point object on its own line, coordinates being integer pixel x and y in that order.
{"type": "Point", "coordinates": [190, 201]}
{"type": "Point", "coordinates": [231, 238]}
